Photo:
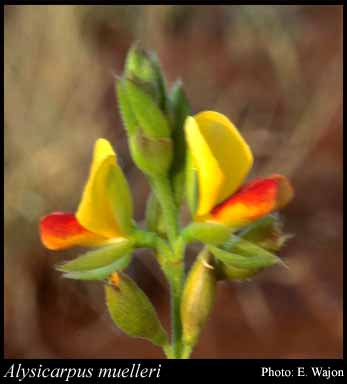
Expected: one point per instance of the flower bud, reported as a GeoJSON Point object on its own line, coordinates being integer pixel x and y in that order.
{"type": "Point", "coordinates": [152, 156]}
{"type": "Point", "coordinates": [148, 129]}
{"type": "Point", "coordinates": [143, 69]}
{"type": "Point", "coordinates": [197, 298]}
{"type": "Point", "coordinates": [131, 310]}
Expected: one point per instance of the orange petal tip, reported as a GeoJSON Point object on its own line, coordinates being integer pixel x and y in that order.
{"type": "Point", "coordinates": [254, 200]}
{"type": "Point", "coordinates": [61, 230]}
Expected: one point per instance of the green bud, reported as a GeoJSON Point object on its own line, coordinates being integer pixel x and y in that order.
{"type": "Point", "coordinates": [179, 110]}
{"type": "Point", "coordinates": [197, 298]}
{"type": "Point", "coordinates": [148, 129]}
{"type": "Point", "coordinates": [208, 233]}
{"type": "Point", "coordinates": [143, 68]}
{"type": "Point", "coordinates": [266, 232]}
{"type": "Point", "coordinates": [152, 156]}
{"type": "Point", "coordinates": [131, 310]}
{"type": "Point", "coordinates": [100, 263]}
{"type": "Point", "coordinates": [126, 111]}
{"type": "Point", "coordinates": [150, 118]}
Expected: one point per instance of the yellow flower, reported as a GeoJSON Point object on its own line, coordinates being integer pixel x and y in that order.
{"type": "Point", "coordinates": [105, 210]}
{"type": "Point", "coordinates": [222, 160]}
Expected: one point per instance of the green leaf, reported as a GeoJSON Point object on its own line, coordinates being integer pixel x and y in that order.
{"type": "Point", "coordinates": [98, 258]}
{"type": "Point", "coordinates": [100, 273]}
{"type": "Point", "coordinates": [122, 203]}
{"type": "Point", "coordinates": [208, 233]}
{"type": "Point", "coordinates": [132, 312]}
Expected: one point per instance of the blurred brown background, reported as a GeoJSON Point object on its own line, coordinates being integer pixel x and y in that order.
{"type": "Point", "coordinates": [276, 71]}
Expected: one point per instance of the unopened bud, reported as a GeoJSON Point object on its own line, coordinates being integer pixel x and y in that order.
{"type": "Point", "coordinates": [131, 310]}
{"type": "Point", "coordinates": [143, 69]}
{"type": "Point", "coordinates": [198, 297]}
{"type": "Point", "coordinates": [148, 129]}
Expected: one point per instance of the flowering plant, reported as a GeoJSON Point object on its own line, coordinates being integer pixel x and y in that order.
{"type": "Point", "coordinates": [202, 160]}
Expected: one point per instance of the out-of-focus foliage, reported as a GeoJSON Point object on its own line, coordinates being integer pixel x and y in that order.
{"type": "Point", "coordinates": [276, 71]}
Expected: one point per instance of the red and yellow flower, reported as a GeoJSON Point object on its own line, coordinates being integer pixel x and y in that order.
{"type": "Point", "coordinates": [222, 160]}
{"type": "Point", "coordinates": [104, 214]}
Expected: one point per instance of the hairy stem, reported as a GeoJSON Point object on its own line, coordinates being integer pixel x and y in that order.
{"type": "Point", "coordinates": [176, 283]}
{"type": "Point", "coordinates": [174, 268]}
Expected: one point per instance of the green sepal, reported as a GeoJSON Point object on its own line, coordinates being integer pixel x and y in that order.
{"type": "Point", "coordinates": [208, 233]}
{"type": "Point", "coordinates": [101, 273]}
{"type": "Point", "coordinates": [266, 232]}
{"type": "Point", "coordinates": [179, 110]}
{"type": "Point", "coordinates": [132, 311]}
{"type": "Point", "coordinates": [127, 114]}
{"type": "Point", "coordinates": [121, 202]}
{"type": "Point", "coordinates": [230, 272]}
{"type": "Point", "coordinates": [240, 253]}
{"type": "Point", "coordinates": [101, 257]}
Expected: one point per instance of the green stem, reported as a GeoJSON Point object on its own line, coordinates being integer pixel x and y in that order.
{"type": "Point", "coordinates": [168, 351]}
{"type": "Point", "coordinates": [186, 351]}
{"type": "Point", "coordinates": [163, 191]}
{"type": "Point", "coordinates": [176, 283]}
{"type": "Point", "coordinates": [174, 269]}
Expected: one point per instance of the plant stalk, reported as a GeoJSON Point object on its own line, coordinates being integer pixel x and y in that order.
{"type": "Point", "coordinates": [174, 269]}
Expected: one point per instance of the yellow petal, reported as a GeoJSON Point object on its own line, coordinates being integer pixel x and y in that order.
{"type": "Point", "coordinates": [210, 177]}
{"type": "Point", "coordinates": [95, 211]}
{"type": "Point", "coordinates": [221, 155]}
